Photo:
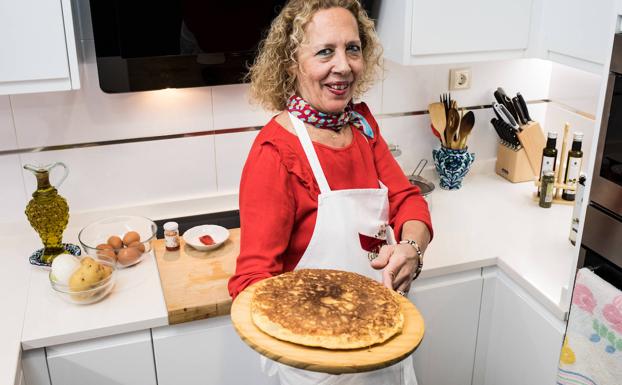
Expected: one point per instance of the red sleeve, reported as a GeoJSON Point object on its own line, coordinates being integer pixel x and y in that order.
{"type": "Point", "coordinates": [267, 209]}
{"type": "Point", "coordinates": [405, 202]}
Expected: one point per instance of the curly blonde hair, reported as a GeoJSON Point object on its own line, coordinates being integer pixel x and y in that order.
{"type": "Point", "coordinates": [271, 81]}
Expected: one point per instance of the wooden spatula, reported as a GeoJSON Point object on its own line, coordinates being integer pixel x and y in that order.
{"type": "Point", "coordinates": [437, 116]}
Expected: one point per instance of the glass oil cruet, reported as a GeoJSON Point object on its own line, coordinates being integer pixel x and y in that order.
{"type": "Point", "coordinates": [47, 211]}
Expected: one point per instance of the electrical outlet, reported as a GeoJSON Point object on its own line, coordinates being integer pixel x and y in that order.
{"type": "Point", "coordinates": [459, 79]}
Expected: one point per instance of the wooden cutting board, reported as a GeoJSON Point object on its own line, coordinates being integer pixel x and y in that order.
{"type": "Point", "coordinates": [326, 360]}
{"type": "Point", "coordinates": [195, 282]}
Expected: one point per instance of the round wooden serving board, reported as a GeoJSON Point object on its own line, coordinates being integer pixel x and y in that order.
{"type": "Point", "coordinates": [326, 360]}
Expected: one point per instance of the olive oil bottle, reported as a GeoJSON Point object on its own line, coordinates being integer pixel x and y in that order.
{"type": "Point", "coordinates": [573, 166]}
{"type": "Point", "coordinates": [47, 211]}
{"type": "Point", "coordinates": [549, 154]}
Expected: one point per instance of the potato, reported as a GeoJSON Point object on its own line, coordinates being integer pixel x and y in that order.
{"type": "Point", "coordinates": [88, 274]}
{"type": "Point", "coordinates": [130, 237]}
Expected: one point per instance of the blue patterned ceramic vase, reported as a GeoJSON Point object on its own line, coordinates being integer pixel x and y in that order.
{"type": "Point", "coordinates": [452, 166]}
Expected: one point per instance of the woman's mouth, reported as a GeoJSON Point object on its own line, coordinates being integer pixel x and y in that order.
{"type": "Point", "coordinates": [338, 88]}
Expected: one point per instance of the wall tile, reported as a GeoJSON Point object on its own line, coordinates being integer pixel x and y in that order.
{"type": "Point", "coordinates": [13, 198]}
{"type": "Point", "coordinates": [132, 174]}
{"type": "Point", "coordinates": [412, 88]}
{"type": "Point", "coordinates": [416, 140]}
{"type": "Point", "coordinates": [231, 153]}
{"type": "Point", "coordinates": [575, 88]}
{"type": "Point", "coordinates": [8, 140]}
{"type": "Point", "coordinates": [89, 114]}
{"type": "Point", "coordinates": [232, 108]}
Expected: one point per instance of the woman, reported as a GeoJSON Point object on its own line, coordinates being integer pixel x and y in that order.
{"type": "Point", "coordinates": [319, 176]}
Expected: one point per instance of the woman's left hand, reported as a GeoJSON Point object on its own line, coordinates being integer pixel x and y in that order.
{"type": "Point", "coordinates": [400, 264]}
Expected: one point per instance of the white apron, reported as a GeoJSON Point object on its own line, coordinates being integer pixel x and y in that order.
{"type": "Point", "coordinates": [335, 244]}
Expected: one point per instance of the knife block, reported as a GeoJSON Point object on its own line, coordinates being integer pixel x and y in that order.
{"type": "Point", "coordinates": [513, 165]}
{"type": "Point", "coordinates": [533, 141]}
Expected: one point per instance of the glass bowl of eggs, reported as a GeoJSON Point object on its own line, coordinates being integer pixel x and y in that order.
{"type": "Point", "coordinates": [121, 240]}
{"type": "Point", "coordinates": [81, 280]}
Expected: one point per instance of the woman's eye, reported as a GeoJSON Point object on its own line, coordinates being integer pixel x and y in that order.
{"type": "Point", "coordinates": [354, 48]}
{"type": "Point", "coordinates": [325, 52]}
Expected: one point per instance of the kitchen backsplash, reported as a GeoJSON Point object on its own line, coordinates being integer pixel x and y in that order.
{"type": "Point", "coordinates": [145, 169]}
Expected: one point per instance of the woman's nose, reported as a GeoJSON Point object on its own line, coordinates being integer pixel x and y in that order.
{"type": "Point", "coordinates": [341, 63]}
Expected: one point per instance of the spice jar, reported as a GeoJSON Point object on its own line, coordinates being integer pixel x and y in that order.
{"type": "Point", "coordinates": [171, 236]}
{"type": "Point", "coordinates": [547, 189]}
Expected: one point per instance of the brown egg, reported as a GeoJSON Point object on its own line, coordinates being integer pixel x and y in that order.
{"type": "Point", "coordinates": [115, 242]}
{"type": "Point", "coordinates": [130, 236]}
{"type": "Point", "coordinates": [137, 245]}
{"type": "Point", "coordinates": [106, 252]}
{"type": "Point", "coordinates": [128, 256]}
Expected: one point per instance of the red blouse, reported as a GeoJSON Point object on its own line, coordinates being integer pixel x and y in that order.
{"type": "Point", "coordinates": [278, 195]}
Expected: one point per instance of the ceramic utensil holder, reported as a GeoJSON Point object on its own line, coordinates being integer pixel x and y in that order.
{"type": "Point", "coordinates": [452, 166]}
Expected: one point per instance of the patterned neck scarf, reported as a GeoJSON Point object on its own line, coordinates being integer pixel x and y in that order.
{"type": "Point", "coordinates": [301, 109]}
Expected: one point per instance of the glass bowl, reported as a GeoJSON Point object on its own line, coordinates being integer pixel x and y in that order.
{"type": "Point", "coordinates": [92, 293]}
{"type": "Point", "coordinates": [94, 239]}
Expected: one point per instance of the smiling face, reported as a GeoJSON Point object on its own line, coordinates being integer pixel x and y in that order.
{"type": "Point", "coordinates": [330, 60]}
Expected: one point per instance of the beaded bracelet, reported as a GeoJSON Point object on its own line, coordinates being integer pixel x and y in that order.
{"type": "Point", "coordinates": [415, 245]}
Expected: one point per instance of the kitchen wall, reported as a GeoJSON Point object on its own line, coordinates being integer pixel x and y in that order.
{"type": "Point", "coordinates": [127, 163]}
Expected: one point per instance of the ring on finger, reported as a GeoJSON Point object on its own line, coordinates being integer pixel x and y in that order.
{"type": "Point", "coordinates": [402, 293]}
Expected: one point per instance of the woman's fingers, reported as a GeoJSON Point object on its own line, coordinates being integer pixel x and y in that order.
{"type": "Point", "coordinates": [383, 257]}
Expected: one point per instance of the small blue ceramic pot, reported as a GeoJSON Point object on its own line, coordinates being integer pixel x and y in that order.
{"type": "Point", "coordinates": [452, 166]}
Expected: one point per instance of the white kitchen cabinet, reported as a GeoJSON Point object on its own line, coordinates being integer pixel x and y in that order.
{"type": "Point", "coordinates": [450, 306]}
{"type": "Point", "coordinates": [433, 32]}
{"type": "Point", "coordinates": [38, 47]}
{"type": "Point", "coordinates": [34, 367]}
{"type": "Point", "coordinates": [579, 33]}
{"type": "Point", "coordinates": [518, 341]}
{"type": "Point", "coordinates": [125, 359]}
{"type": "Point", "coordinates": [206, 352]}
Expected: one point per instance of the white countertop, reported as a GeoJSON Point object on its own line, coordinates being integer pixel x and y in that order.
{"type": "Point", "coordinates": [488, 222]}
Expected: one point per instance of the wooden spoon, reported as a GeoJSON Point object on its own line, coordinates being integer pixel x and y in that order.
{"type": "Point", "coordinates": [453, 119]}
{"type": "Point", "coordinates": [466, 125]}
{"type": "Point", "coordinates": [437, 116]}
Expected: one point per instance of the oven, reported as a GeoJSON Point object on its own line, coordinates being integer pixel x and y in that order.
{"type": "Point", "coordinates": [606, 191]}
{"type": "Point", "coordinates": [601, 244]}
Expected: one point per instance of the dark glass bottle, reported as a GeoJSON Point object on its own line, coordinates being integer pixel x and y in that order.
{"type": "Point", "coordinates": [573, 166]}
{"type": "Point", "coordinates": [549, 154]}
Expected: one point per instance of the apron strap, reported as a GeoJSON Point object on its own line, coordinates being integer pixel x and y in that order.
{"type": "Point", "coordinates": [307, 146]}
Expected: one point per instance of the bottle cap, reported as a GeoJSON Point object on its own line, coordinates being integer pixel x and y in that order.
{"type": "Point", "coordinates": [552, 135]}
{"type": "Point", "coordinates": [578, 136]}
{"type": "Point", "coordinates": [170, 226]}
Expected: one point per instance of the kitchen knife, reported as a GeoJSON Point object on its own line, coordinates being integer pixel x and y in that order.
{"type": "Point", "coordinates": [507, 102]}
{"type": "Point", "coordinates": [523, 105]}
{"type": "Point", "coordinates": [519, 111]}
{"type": "Point", "coordinates": [506, 116]}
{"type": "Point", "coordinates": [501, 134]}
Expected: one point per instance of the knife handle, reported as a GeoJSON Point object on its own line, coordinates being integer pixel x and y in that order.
{"type": "Point", "coordinates": [523, 105]}
{"type": "Point", "coordinates": [519, 111]}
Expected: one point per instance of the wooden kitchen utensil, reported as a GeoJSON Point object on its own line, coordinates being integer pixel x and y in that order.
{"type": "Point", "coordinates": [437, 116]}
{"type": "Point", "coordinates": [327, 360]}
{"type": "Point", "coordinates": [466, 125]}
{"type": "Point", "coordinates": [453, 120]}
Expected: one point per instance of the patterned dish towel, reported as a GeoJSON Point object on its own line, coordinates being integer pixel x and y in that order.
{"type": "Point", "coordinates": [592, 350]}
